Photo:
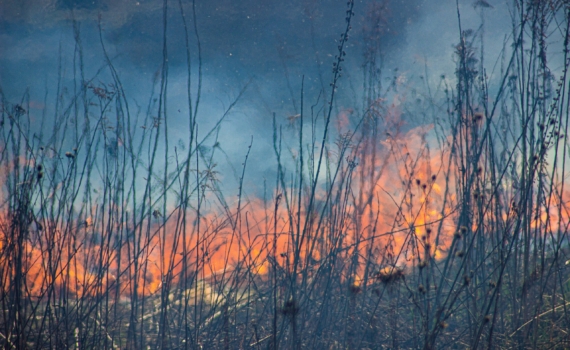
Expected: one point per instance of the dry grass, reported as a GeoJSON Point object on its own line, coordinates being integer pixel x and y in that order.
{"type": "Point", "coordinates": [454, 233]}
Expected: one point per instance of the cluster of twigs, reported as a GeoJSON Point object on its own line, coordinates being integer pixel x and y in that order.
{"type": "Point", "coordinates": [376, 234]}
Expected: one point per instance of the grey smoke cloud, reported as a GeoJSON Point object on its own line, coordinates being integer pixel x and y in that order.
{"type": "Point", "coordinates": [269, 45]}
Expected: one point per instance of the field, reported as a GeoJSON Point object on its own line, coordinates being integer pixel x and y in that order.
{"type": "Point", "coordinates": [373, 233]}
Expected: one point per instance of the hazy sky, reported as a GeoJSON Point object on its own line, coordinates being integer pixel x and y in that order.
{"type": "Point", "coordinates": [269, 43]}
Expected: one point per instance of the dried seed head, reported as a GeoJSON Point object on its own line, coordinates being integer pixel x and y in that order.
{"type": "Point", "coordinates": [390, 274]}
{"type": "Point", "coordinates": [354, 288]}
{"type": "Point", "coordinates": [290, 308]}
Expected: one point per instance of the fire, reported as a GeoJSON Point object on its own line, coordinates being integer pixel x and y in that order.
{"type": "Point", "coordinates": [400, 213]}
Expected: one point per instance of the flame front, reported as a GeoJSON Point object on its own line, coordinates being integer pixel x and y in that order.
{"type": "Point", "coordinates": [394, 205]}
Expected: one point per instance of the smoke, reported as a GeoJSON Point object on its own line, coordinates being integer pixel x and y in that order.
{"type": "Point", "coordinates": [270, 47]}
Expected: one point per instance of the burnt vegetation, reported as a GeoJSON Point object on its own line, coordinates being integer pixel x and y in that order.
{"type": "Point", "coordinates": [373, 234]}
